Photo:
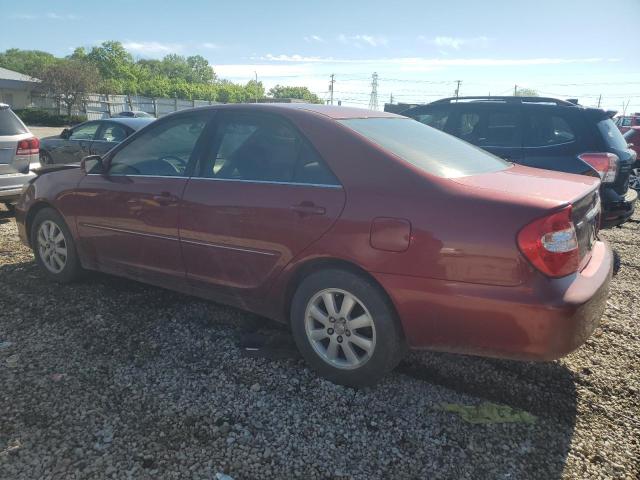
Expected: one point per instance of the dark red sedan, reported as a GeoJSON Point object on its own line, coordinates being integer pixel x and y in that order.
{"type": "Point", "coordinates": [368, 232]}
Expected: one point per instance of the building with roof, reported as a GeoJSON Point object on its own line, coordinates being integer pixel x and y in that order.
{"type": "Point", "coordinates": [16, 88]}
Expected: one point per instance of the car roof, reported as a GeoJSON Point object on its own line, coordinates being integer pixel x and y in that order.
{"type": "Point", "coordinates": [332, 111]}
{"type": "Point", "coordinates": [131, 122]}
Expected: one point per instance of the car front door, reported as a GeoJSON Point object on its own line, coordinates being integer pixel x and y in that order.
{"type": "Point", "coordinates": [128, 217]}
{"type": "Point", "coordinates": [496, 128]}
{"type": "Point", "coordinates": [77, 146]}
{"type": "Point", "coordinates": [258, 197]}
{"type": "Point", "coordinates": [109, 135]}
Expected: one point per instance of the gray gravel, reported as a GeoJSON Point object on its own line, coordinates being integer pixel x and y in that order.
{"type": "Point", "coordinates": [113, 379]}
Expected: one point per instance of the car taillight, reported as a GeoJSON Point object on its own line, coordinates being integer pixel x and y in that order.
{"type": "Point", "coordinates": [30, 146]}
{"type": "Point", "coordinates": [606, 164]}
{"type": "Point", "coordinates": [551, 245]}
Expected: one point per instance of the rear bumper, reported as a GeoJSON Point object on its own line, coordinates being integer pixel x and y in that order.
{"type": "Point", "coordinates": [11, 185]}
{"type": "Point", "coordinates": [540, 321]}
{"type": "Point", "coordinates": [617, 210]}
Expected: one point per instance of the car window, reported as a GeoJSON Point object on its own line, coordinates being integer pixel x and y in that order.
{"type": "Point", "coordinates": [263, 148]}
{"type": "Point", "coordinates": [429, 149]}
{"type": "Point", "coordinates": [612, 135]}
{"type": "Point", "coordinates": [161, 151]}
{"type": "Point", "coordinates": [112, 133]}
{"type": "Point", "coordinates": [10, 124]}
{"type": "Point", "coordinates": [626, 122]}
{"type": "Point", "coordinates": [501, 130]}
{"type": "Point", "coordinates": [84, 132]}
{"type": "Point", "coordinates": [433, 118]}
{"type": "Point", "coordinates": [546, 129]}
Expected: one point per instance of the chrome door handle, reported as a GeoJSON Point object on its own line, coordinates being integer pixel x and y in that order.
{"type": "Point", "coordinates": [308, 208]}
{"type": "Point", "coordinates": [165, 198]}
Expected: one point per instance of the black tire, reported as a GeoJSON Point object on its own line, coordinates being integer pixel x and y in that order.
{"type": "Point", "coordinates": [45, 159]}
{"type": "Point", "coordinates": [72, 269]}
{"type": "Point", "coordinates": [389, 346]}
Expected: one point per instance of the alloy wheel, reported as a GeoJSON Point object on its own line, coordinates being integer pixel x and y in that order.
{"type": "Point", "coordinates": [52, 246]}
{"type": "Point", "coordinates": [340, 328]}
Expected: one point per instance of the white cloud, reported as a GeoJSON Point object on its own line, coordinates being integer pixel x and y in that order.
{"type": "Point", "coordinates": [50, 16]}
{"type": "Point", "coordinates": [210, 46]}
{"type": "Point", "coordinates": [360, 41]}
{"type": "Point", "coordinates": [294, 58]}
{"type": "Point", "coordinates": [314, 38]}
{"type": "Point", "coordinates": [456, 43]}
{"type": "Point", "coordinates": [62, 16]}
{"type": "Point", "coordinates": [152, 47]}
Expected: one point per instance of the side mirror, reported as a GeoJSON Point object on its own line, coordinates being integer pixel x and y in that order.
{"type": "Point", "coordinates": [93, 164]}
{"type": "Point", "coordinates": [66, 133]}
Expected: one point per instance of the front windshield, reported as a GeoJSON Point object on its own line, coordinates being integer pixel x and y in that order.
{"type": "Point", "coordinates": [429, 149]}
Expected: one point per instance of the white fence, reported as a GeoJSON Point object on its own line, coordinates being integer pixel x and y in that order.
{"type": "Point", "coordinates": [96, 106]}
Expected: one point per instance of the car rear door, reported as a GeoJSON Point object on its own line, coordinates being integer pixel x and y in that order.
{"type": "Point", "coordinates": [553, 138]}
{"type": "Point", "coordinates": [109, 135]}
{"type": "Point", "coordinates": [127, 218]}
{"type": "Point", "coordinates": [495, 127]}
{"type": "Point", "coordinates": [259, 196]}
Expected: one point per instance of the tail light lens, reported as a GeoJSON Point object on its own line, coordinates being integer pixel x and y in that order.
{"type": "Point", "coordinates": [606, 164]}
{"type": "Point", "coordinates": [551, 245]}
{"type": "Point", "coordinates": [30, 146]}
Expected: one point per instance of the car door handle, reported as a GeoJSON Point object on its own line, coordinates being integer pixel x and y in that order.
{"type": "Point", "coordinates": [165, 198]}
{"type": "Point", "coordinates": [308, 208]}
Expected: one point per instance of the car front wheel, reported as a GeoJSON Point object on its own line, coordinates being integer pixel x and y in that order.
{"type": "Point", "coordinates": [634, 178]}
{"type": "Point", "coordinates": [345, 327]}
{"type": "Point", "coordinates": [54, 247]}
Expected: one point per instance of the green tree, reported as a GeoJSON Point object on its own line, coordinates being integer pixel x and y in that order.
{"type": "Point", "coordinates": [112, 61]}
{"type": "Point", "coordinates": [301, 93]}
{"type": "Point", "coordinates": [526, 92]}
{"type": "Point", "coordinates": [28, 62]}
{"type": "Point", "coordinates": [69, 81]}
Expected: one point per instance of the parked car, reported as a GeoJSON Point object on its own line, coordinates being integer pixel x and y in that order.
{"type": "Point", "coordinates": [624, 123]}
{"type": "Point", "coordinates": [132, 114]}
{"type": "Point", "coordinates": [544, 133]}
{"type": "Point", "coordinates": [366, 231]}
{"type": "Point", "coordinates": [632, 137]}
{"type": "Point", "coordinates": [95, 137]}
{"type": "Point", "coordinates": [18, 152]}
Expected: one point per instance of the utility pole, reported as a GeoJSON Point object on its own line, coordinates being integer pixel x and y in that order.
{"type": "Point", "coordinates": [256, 85]}
{"type": "Point", "coordinates": [458, 88]}
{"type": "Point", "coordinates": [515, 90]}
{"type": "Point", "coordinates": [599, 99]}
{"type": "Point", "coordinates": [373, 100]}
{"type": "Point", "coordinates": [331, 82]}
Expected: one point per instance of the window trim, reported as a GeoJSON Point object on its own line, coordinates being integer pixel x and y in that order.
{"type": "Point", "coordinates": [220, 117]}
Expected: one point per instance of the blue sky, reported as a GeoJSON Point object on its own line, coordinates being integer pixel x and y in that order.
{"type": "Point", "coordinates": [419, 49]}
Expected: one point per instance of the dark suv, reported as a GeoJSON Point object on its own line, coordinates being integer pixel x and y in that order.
{"type": "Point", "coordinates": [543, 133]}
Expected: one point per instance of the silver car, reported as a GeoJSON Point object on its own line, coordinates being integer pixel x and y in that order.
{"type": "Point", "coordinates": [18, 154]}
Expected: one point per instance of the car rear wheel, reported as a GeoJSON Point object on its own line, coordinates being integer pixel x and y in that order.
{"type": "Point", "coordinates": [45, 158]}
{"type": "Point", "coordinates": [345, 327]}
{"type": "Point", "coordinates": [54, 247]}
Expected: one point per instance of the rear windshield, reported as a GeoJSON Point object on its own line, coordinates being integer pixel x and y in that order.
{"type": "Point", "coordinates": [9, 123]}
{"type": "Point", "coordinates": [612, 135]}
{"type": "Point", "coordinates": [429, 149]}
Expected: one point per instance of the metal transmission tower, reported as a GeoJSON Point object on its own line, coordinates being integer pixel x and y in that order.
{"type": "Point", "coordinates": [373, 101]}
{"type": "Point", "coordinates": [331, 82]}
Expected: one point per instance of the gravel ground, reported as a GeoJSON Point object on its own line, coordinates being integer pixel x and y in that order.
{"type": "Point", "coordinates": [113, 379]}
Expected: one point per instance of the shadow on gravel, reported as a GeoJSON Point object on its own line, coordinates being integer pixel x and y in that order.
{"type": "Point", "coordinates": [545, 389]}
